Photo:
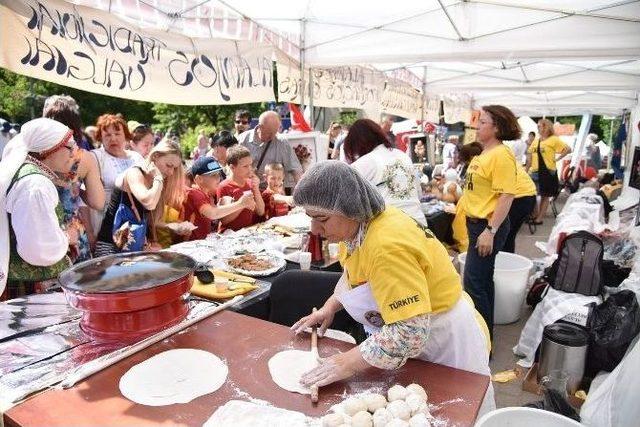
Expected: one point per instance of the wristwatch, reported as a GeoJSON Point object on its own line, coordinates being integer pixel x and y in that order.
{"type": "Point", "coordinates": [492, 230]}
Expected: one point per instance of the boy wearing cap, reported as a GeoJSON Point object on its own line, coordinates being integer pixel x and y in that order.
{"type": "Point", "coordinates": [198, 207]}
{"type": "Point", "coordinates": [242, 181]}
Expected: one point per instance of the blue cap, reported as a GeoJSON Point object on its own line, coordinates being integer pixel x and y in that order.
{"type": "Point", "coordinates": [206, 166]}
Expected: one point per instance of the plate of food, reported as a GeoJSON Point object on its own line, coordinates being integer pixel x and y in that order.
{"type": "Point", "coordinates": [256, 265]}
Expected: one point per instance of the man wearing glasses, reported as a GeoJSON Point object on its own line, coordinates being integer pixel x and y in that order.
{"type": "Point", "coordinates": [241, 122]}
{"type": "Point", "coordinates": [265, 148]}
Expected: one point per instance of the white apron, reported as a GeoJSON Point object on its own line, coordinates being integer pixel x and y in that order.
{"type": "Point", "coordinates": [455, 338]}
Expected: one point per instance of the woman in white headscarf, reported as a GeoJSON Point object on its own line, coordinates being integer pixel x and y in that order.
{"type": "Point", "coordinates": [33, 245]}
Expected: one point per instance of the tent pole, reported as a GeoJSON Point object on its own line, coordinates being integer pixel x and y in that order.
{"type": "Point", "coordinates": [424, 96]}
{"type": "Point", "coordinates": [303, 27]}
{"type": "Point", "coordinates": [312, 121]}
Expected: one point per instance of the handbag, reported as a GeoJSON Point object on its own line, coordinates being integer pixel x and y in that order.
{"type": "Point", "coordinates": [129, 228]}
{"type": "Point", "coordinates": [547, 180]}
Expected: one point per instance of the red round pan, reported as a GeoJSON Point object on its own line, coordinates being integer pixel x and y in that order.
{"type": "Point", "coordinates": [126, 296]}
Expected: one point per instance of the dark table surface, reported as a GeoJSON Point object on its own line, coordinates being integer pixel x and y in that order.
{"type": "Point", "coordinates": [246, 344]}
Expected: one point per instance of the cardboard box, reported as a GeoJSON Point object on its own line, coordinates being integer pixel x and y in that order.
{"type": "Point", "coordinates": [530, 384]}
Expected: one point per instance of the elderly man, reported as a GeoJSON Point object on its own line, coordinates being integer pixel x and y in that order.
{"type": "Point", "coordinates": [266, 148]}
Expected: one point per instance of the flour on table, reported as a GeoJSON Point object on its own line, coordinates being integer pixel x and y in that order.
{"type": "Point", "coordinates": [287, 367]}
{"type": "Point", "coordinates": [174, 376]}
{"type": "Point", "coordinates": [238, 413]}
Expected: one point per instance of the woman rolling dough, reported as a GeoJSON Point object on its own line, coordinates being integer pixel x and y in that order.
{"type": "Point", "coordinates": [398, 282]}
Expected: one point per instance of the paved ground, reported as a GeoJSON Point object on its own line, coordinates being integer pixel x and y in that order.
{"type": "Point", "coordinates": [506, 336]}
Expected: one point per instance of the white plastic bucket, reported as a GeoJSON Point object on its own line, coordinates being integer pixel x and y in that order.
{"type": "Point", "coordinates": [510, 279]}
{"type": "Point", "coordinates": [525, 417]}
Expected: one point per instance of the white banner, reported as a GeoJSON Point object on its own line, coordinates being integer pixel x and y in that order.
{"type": "Point", "coordinates": [336, 87]}
{"type": "Point", "coordinates": [92, 50]}
{"type": "Point", "coordinates": [432, 108]}
{"type": "Point", "coordinates": [402, 99]}
{"type": "Point", "coordinates": [457, 108]}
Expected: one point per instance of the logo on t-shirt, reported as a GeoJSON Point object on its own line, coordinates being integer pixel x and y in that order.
{"type": "Point", "coordinates": [403, 302]}
{"type": "Point", "coordinates": [374, 318]}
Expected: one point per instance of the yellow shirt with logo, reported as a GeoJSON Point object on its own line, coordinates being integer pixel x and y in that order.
{"type": "Point", "coordinates": [548, 148]}
{"type": "Point", "coordinates": [489, 175]}
{"type": "Point", "coordinates": [408, 269]}
{"type": "Point", "coordinates": [524, 184]}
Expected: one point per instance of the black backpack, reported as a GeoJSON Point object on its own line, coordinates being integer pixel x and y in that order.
{"type": "Point", "coordinates": [578, 268]}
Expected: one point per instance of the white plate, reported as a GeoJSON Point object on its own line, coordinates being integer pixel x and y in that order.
{"type": "Point", "coordinates": [277, 262]}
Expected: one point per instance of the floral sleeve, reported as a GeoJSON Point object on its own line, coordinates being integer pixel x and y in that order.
{"type": "Point", "coordinates": [393, 344]}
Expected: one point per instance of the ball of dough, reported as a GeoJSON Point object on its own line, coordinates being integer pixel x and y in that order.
{"type": "Point", "coordinates": [418, 389]}
{"type": "Point", "coordinates": [397, 392]}
{"type": "Point", "coordinates": [422, 409]}
{"type": "Point", "coordinates": [382, 417]}
{"type": "Point", "coordinates": [414, 401]}
{"type": "Point", "coordinates": [397, 423]}
{"type": "Point", "coordinates": [353, 405]}
{"type": "Point", "coordinates": [399, 409]}
{"type": "Point", "coordinates": [419, 420]}
{"type": "Point", "coordinates": [375, 401]}
{"type": "Point", "coordinates": [332, 420]}
{"type": "Point", "coordinates": [362, 419]}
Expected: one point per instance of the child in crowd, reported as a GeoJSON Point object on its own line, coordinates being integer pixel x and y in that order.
{"type": "Point", "coordinates": [242, 181]}
{"type": "Point", "coordinates": [198, 206]}
{"type": "Point", "coordinates": [275, 202]}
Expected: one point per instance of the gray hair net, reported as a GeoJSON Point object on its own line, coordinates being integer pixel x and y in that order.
{"type": "Point", "coordinates": [336, 188]}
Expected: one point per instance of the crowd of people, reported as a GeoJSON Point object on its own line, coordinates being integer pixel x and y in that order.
{"type": "Point", "coordinates": [70, 193]}
{"type": "Point", "coordinates": [117, 186]}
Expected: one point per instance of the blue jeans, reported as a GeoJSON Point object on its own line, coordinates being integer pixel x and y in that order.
{"type": "Point", "coordinates": [478, 270]}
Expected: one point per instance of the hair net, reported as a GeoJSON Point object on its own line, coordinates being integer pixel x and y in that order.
{"type": "Point", "coordinates": [335, 187]}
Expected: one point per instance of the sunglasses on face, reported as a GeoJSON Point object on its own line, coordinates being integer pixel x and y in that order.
{"type": "Point", "coordinates": [71, 147]}
{"type": "Point", "coordinates": [244, 122]}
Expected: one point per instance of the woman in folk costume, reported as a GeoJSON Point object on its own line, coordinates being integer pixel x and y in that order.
{"type": "Point", "coordinates": [33, 244]}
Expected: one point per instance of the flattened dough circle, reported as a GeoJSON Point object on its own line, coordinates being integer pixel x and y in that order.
{"type": "Point", "coordinates": [174, 376]}
{"type": "Point", "coordinates": [287, 367]}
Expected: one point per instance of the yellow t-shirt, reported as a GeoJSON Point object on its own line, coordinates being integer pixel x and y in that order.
{"type": "Point", "coordinates": [548, 148]}
{"type": "Point", "coordinates": [524, 184]}
{"type": "Point", "coordinates": [164, 234]}
{"type": "Point", "coordinates": [408, 269]}
{"type": "Point", "coordinates": [490, 174]}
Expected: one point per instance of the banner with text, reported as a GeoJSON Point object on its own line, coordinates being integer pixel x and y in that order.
{"type": "Point", "coordinates": [92, 50]}
{"type": "Point", "coordinates": [432, 108]}
{"type": "Point", "coordinates": [401, 99]}
{"type": "Point", "coordinates": [336, 87]}
{"type": "Point", "coordinates": [457, 108]}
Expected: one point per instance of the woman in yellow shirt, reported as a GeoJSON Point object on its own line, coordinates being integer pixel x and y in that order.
{"type": "Point", "coordinates": [490, 186]}
{"type": "Point", "coordinates": [398, 282]}
{"type": "Point", "coordinates": [550, 145]}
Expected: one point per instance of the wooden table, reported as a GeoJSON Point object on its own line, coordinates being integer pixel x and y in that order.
{"type": "Point", "coordinates": [246, 344]}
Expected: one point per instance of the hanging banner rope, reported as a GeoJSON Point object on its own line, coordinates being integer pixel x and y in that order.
{"type": "Point", "coordinates": [92, 50]}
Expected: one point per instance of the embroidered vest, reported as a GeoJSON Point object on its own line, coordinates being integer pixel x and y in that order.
{"type": "Point", "coordinates": [19, 269]}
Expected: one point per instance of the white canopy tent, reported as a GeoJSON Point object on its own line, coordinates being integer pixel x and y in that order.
{"type": "Point", "coordinates": [539, 57]}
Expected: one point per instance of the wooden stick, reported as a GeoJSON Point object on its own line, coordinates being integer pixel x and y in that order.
{"type": "Point", "coordinates": [314, 351]}
{"type": "Point", "coordinates": [107, 360]}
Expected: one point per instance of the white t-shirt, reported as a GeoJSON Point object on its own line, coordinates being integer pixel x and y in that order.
{"type": "Point", "coordinates": [111, 168]}
{"type": "Point", "coordinates": [393, 174]}
{"type": "Point", "coordinates": [519, 148]}
{"type": "Point", "coordinates": [448, 155]}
